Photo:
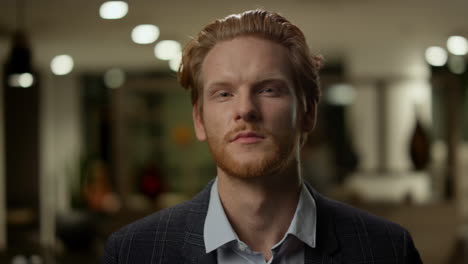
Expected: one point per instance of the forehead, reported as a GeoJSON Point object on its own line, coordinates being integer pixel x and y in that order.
{"type": "Point", "coordinates": [245, 59]}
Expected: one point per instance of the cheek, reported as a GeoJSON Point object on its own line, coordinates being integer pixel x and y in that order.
{"type": "Point", "coordinates": [218, 115]}
{"type": "Point", "coordinates": [213, 122]}
{"type": "Point", "coordinates": [282, 116]}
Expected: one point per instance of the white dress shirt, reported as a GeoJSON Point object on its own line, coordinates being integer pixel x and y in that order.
{"type": "Point", "coordinates": [220, 236]}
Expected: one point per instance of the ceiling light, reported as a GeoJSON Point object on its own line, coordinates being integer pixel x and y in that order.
{"type": "Point", "coordinates": [167, 49]}
{"type": "Point", "coordinates": [457, 45]}
{"type": "Point", "coordinates": [145, 34]}
{"type": "Point", "coordinates": [436, 56]}
{"type": "Point", "coordinates": [61, 64]}
{"type": "Point", "coordinates": [113, 9]}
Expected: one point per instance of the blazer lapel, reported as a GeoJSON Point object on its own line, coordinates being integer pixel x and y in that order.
{"type": "Point", "coordinates": [194, 246]}
{"type": "Point", "coordinates": [327, 248]}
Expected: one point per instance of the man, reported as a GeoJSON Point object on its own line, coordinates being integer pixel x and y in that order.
{"type": "Point", "coordinates": [255, 89]}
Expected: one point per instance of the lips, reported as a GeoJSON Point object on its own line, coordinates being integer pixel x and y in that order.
{"type": "Point", "coordinates": [247, 137]}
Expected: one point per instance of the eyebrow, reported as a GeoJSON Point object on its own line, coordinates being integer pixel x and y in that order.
{"type": "Point", "coordinates": [217, 84]}
{"type": "Point", "coordinates": [280, 81]}
{"type": "Point", "coordinates": [226, 84]}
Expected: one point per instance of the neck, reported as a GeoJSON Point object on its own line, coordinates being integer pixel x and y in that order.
{"type": "Point", "coordinates": [260, 209]}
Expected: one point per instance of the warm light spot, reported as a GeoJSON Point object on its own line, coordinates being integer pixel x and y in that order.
{"type": "Point", "coordinates": [145, 34]}
{"type": "Point", "coordinates": [61, 64]}
{"type": "Point", "coordinates": [436, 56]}
{"type": "Point", "coordinates": [167, 49]}
{"type": "Point", "coordinates": [113, 9]}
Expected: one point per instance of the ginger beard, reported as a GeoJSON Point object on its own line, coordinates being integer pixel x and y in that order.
{"type": "Point", "coordinates": [279, 156]}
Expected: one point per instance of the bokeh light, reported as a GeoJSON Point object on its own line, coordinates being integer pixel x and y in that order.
{"type": "Point", "coordinates": [23, 80]}
{"type": "Point", "coordinates": [341, 94]}
{"type": "Point", "coordinates": [457, 45]}
{"type": "Point", "coordinates": [62, 64]}
{"type": "Point", "coordinates": [436, 56]}
{"type": "Point", "coordinates": [174, 63]}
{"type": "Point", "coordinates": [114, 78]}
{"type": "Point", "coordinates": [113, 9]}
{"type": "Point", "coordinates": [145, 34]}
{"type": "Point", "coordinates": [167, 49]}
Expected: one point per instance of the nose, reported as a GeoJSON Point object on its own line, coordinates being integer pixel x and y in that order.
{"type": "Point", "coordinates": [247, 108]}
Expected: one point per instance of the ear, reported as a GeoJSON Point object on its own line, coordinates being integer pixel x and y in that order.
{"type": "Point", "coordinates": [310, 118]}
{"type": "Point", "coordinates": [198, 123]}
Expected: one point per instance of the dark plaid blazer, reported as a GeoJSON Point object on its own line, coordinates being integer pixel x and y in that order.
{"type": "Point", "coordinates": [344, 235]}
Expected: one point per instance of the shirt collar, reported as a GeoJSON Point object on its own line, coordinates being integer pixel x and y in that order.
{"type": "Point", "coordinates": [303, 224]}
{"type": "Point", "coordinates": [218, 231]}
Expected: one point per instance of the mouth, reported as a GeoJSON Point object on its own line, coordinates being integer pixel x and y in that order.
{"type": "Point", "coordinates": [247, 137]}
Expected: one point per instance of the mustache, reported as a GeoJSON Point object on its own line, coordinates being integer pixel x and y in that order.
{"type": "Point", "coordinates": [253, 128]}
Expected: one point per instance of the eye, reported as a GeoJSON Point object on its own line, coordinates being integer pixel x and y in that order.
{"type": "Point", "coordinates": [223, 94]}
{"type": "Point", "coordinates": [270, 91]}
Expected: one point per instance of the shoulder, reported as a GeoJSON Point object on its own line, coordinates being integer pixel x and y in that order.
{"type": "Point", "coordinates": [155, 222]}
{"type": "Point", "coordinates": [344, 215]}
{"type": "Point", "coordinates": [172, 217]}
{"type": "Point", "coordinates": [373, 236]}
{"type": "Point", "coordinates": [165, 229]}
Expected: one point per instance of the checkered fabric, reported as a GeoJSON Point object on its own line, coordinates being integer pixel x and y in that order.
{"type": "Point", "coordinates": [344, 235]}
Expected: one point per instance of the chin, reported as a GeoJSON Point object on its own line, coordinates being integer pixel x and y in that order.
{"type": "Point", "coordinates": [254, 167]}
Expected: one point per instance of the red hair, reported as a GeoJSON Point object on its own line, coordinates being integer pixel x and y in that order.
{"type": "Point", "coordinates": [262, 24]}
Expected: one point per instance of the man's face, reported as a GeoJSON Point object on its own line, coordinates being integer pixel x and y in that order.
{"type": "Point", "coordinates": [247, 107]}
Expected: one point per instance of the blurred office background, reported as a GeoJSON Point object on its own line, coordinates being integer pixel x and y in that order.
{"type": "Point", "coordinates": [95, 132]}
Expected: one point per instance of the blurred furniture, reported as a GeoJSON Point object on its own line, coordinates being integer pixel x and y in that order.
{"type": "Point", "coordinates": [409, 187]}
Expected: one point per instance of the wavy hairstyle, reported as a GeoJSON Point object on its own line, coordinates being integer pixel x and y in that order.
{"type": "Point", "coordinates": [258, 23]}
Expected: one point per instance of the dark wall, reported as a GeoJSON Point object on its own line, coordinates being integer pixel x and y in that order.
{"type": "Point", "coordinates": [21, 115]}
